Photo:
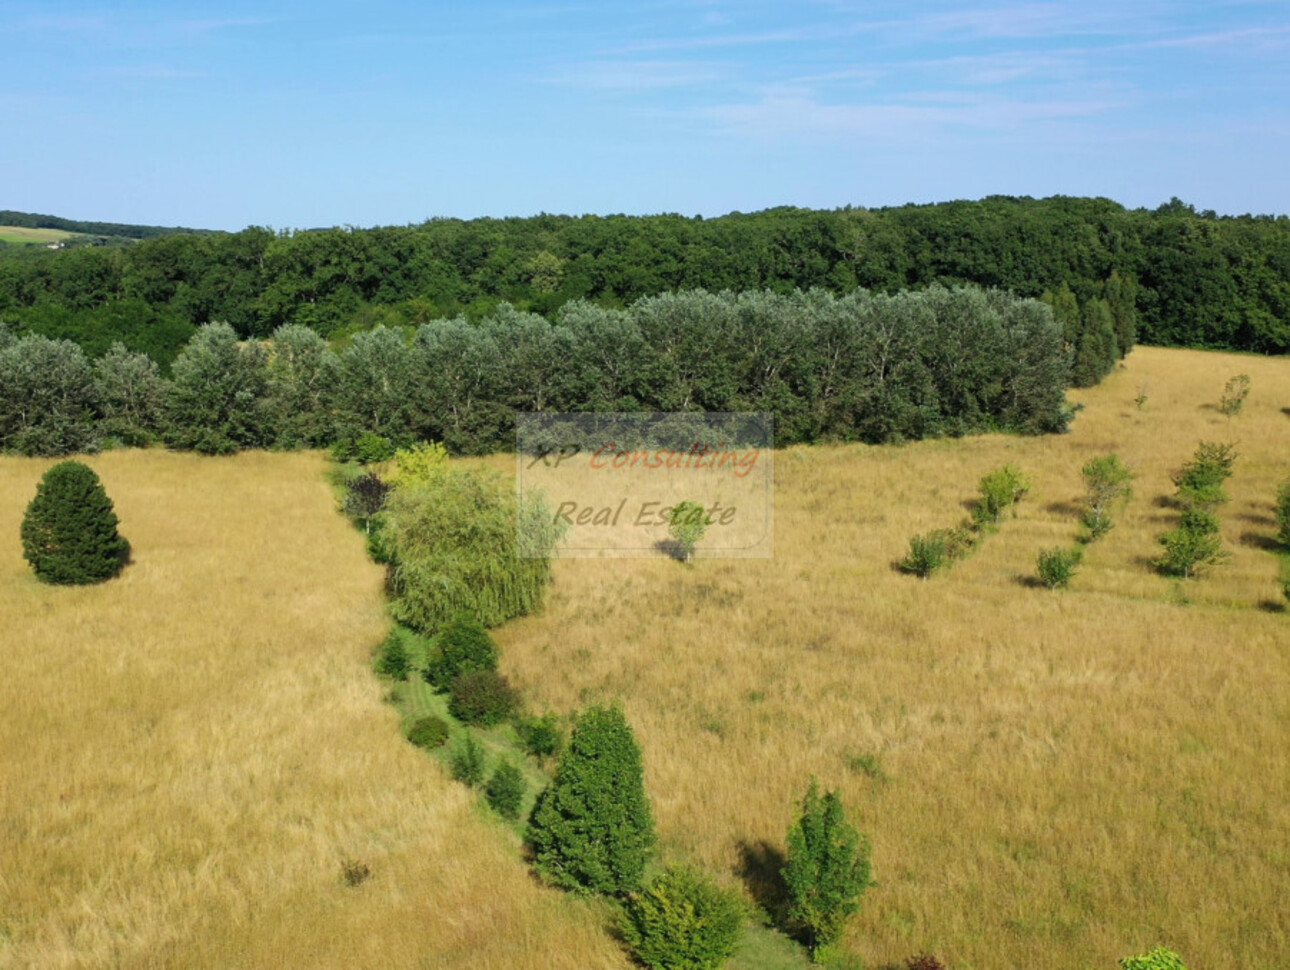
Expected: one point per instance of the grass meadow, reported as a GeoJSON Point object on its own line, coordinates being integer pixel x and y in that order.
{"type": "Point", "coordinates": [25, 235]}
{"type": "Point", "coordinates": [193, 752]}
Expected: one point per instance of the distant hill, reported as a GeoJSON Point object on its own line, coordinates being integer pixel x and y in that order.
{"type": "Point", "coordinates": [114, 230]}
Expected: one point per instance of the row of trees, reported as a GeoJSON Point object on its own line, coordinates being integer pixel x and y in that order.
{"type": "Point", "coordinates": [865, 366]}
{"type": "Point", "coordinates": [1201, 280]}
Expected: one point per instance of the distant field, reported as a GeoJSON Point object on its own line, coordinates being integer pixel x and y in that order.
{"type": "Point", "coordinates": [1049, 780]}
{"type": "Point", "coordinates": [21, 234]}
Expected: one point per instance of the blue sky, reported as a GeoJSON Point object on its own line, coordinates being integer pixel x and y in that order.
{"type": "Point", "coordinates": [298, 114]}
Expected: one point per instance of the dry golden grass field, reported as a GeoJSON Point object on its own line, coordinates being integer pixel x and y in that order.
{"type": "Point", "coordinates": [1049, 779]}
{"type": "Point", "coordinates": [192, 751]}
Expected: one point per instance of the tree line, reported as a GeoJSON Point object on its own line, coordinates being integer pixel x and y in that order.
{"type": "Point", "coordinates": [861, 367]}
{"type": "Point", "coordinates": [1193, 278]}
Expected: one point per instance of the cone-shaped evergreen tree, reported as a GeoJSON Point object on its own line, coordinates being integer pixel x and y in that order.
{"type": "Point", "coordinates": [69, 532]}
{"type": "Point", "coordinates": [591, 830]}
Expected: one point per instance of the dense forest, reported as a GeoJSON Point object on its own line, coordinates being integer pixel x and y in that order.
{"type": "Point", "coordinates": [864, 366]}
{"type": "Point", "coordinates": [1196, 279]}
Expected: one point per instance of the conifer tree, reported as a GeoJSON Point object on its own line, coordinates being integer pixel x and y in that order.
{"type": "Point", "coordinates": [69, 533]}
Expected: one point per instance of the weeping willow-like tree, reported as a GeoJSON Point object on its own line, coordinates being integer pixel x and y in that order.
{"type": "Point", "coordinates": [458, 543]}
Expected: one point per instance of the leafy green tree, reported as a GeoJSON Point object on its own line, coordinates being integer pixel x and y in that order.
{"type": "Point", "coordinates": [1194, 543]}
{"type": "Point", "coordinates": [1283, 514]}
{"type": "Point", "coordinates": [364, 499]}
{"type": "Point", "coordinates": [47, 398]}
{"type": "Point", "coordinates": [299, 376]}
{"type": "Point", "coordinates": [927, 554]}
{"type": "Point", "coordinates": [591, 829]}
{"type": "Point", "coordinates": [394, 661]}
{"type": "Point", "coordinates": [482, 697]}
{"type": "Point", "coordinates": [1000, 490]}
{"type": "Point", "coordinates": [682, 921]}
{"type": "Point", "coordinates": [828, 869]}
{"type": "Point", "coordinates": [463, 646]}
{"type": "Point", "coordinates": [687, 523]}
{"type": "Point", "coordinates": [468, 762]}
{"type": "Point", "coordinates": [1200, 481]}
{"type": "Point", "coordinates": [216, 401]}
{"type": "Point", "coordinates": [131, 395]}
{"type": "Point", "coordinates": [1107, 482]}
{"type": "Point", "coordinates": [505, 790]}
{"type": "Point", "coordinates": [1235, 391]}
{"type": "Point", "coordinates": [1057, 567]}
{"type": "Point", "coordinates": [69, 534]}
{"type": "Point", "coordinates": [1097, 351]}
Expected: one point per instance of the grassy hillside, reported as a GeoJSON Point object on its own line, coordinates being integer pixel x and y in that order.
{"type": "Point", "coordinates": [1055, 780]}
{"type": "Point", "coordinates": [1049, 779]}
{"type": "Point", "coordinates": [26, 236]}
{"type": "Point", "coordinates": [193, 751]}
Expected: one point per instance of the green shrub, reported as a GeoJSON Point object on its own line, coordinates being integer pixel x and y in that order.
{"type": "Point", "coordinates": [1200, 481]}
{"type": "Point", "coordinates": [462, 646]}
{"type": "Point", "coordinates": [591, 829]}
{"type": "Point", "coordinates": [394, 661]}
{"type": "Point", "coordinates": [1057, 566]}
{"type": "Point", "coordinates": [1000, 490]}
{"type": "Point", "coordinates": [1194, 543]}
{"type": "Point", "coordinates": [69, 533]}
{"type": "Point", "coordinates": [429, 732]}
{"type": "Point", "coordinates": [468, 762]}
{"type": "Point", "coordinates": [1158, 959]}
{"type": "Point", "coordinates": [364, 498]}
{"type": "Point", "coordinates": [682, 921]}
{"type": "Point", "coordinates": [505, 791]}
{"type": "Point", "coordinates": [927, 554]}
{"type": "Point", "coordinates": [1283, 514]}
{"type": "Point", "coordinates": [482, 697]}
{"type": "Point", "coordinates": [687, 522]}
{"type": "Point", "coordinates": [1108, 482]}
{"type": "Point", "coordinates": [1235, 391]}
{"type": "Point", "coordinates": [541, 736]}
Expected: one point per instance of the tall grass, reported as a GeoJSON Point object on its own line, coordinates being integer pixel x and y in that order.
{"type": "Point", "coordinates": [196, 754]}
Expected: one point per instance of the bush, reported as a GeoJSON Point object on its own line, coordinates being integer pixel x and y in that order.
{"type": "Point", "coordinates": [429, 732]}
{"type": "Point", "coordinates": [1283, 514]}
{"type": "Point", "coordinates": [505, 791]}
{"type": "Point", "coordinates": [364, 498]}
{"type": "Point", "coordinates": [927, 553]}
{"type": "Point", "coordinates": [482, 697]}
{"type": "Point", "coordinates": [828, 868]}
{"type": "Point", "coordinates": [463, 646]}
{"type": "Point", "coordinates": [1000, 490]}
{"type": "Point", "coordinates": [1194, 543]}
{"type": "Point", "coordinates": [1235, 391]}
{"type": "Point", "coordinates": [468, 762]}
{"type": "Point", "coordinates": [591, 829]}
{"type": "Point", "coordinates": [1057, 566]}
{"type": "Point", "coordinates": [1108, 481]}
{"type": "Point", "coordinates": [541, 736]}
{"type": "Point", "coordinates": [1158, 959]}
{"type": "Point", "coordinates": [1200, 481]}
{"type": "Point", "coordinates": [687, 522]}
{"type": "Point", "coordinates": [69, 533]}
{"type": "Point", "coordinates": [394, 661]}
{"type": "Point", "coordinates": [682, 922]}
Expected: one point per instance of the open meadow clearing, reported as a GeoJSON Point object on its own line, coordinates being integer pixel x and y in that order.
{"type": "Point", "coordinates": [193, 751]}
{"type": "Point", "coordinates": [1049, 779]}
{"type": "Point", "coordinates": [24, 235]}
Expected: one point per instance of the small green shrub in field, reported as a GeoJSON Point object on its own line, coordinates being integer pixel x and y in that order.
{"type": "Point", "coordinates": [541, 736]}
{"type": "Point", "coordinates": [1283, 514]}
{"type": "Point", "coordinates": [394, 661]}
{"type": "Point", "coordinates": [429, 732]}
{"type": "Point", "coordinates": [927, 554]}
{"type": "Point", "coordinates": [468, 762]}
{"type": "Point", "coordinates": [505, 791]}
{"type": "Point", "coordinates": [69, 533]}
{"type": "Point", "coordinates": [462, 646]}
{"type": "Point", "coordinates": [1200, 481]}
{"type": "Point", "coordinates": [682, 921]}
{"type": "Point", "coordinates": [1108, 482]}
{"type": "Point", "coordinates": [482, 697]}
{"type": "Point", "coordinates": [1000, 490]}
{"type": "Point", "coordinates": [1194, 543]}
{"type": "Point", "coordinates": [687, 522]}
{"type": "Point", "coordinates": [1235, 391]}
{"type": "Point", "coordinates": [364, 498]}
{"type": "Point", "coordinates": [1157, 959]}
{"type": "Point", "coordinates": [1057, 566]}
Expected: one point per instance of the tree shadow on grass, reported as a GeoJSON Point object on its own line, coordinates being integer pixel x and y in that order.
{"type": "Point", "coordinates": [1272, 606]}
{"type": "Point", "coordinates": [1063, 508]}
{"type": "Point", "coordinates": [1259, 540]}
{"type": "Point", "coordinates": [761, 869]}
{"type": "Point", "coordinates": [671, 548]}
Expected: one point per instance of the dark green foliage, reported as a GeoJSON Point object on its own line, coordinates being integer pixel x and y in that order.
{"type": "Point", "coordinates": [1096, 351]}
{"type": "Point", "coordinates": [1235, 391]}
{"type": "Point", "coordinates": [541, 736]}
{"type": "Point", "coordinates": [394, 660]}
{"type": "Point", "coordinates": [591, 829]}
{"type": "Point", "coordinates": [927, 554]}
{"type": "Point", "coordinates": [1108, 482]}
{"type": "Point", "coordinates": [69, 533]}
{"type": "Point", "coordinates": [687, 522]}
{"type": "Point", "coordinates": [429, 732]}
{"type": "Point", "coordinates": [1000, 490]}
{"type": "Point", "coordinates": [131, 396]}
{"type": "Point", "coordinates": [1057, 566]}
{"type": "Point", "coordinates": [1200, 481]}
{"type": "Point", "coordinates": [48, 399]}
{"type": "Point", "coordinates": [462, 646]}
{"type": "Point", "coordinates": [482, 697]}
{"type": "Point", "coordinates": [1158, 958]}
{"type": "Point", "coordinates": [828, 868]}
{"type": "Point", "coordinates": [505, 791]}
{"type": "Point", "coordinates": [468, 762]}
{"type": "Point", "coordinates": [216, 402]}
{"type": "Point", "coordinates": [364, 498]}
{"type": "Point", "coordinates": [456, 544]}
{"type": "Point", "coordinates": [682, 921]}
{"type": "Point", "coordinates": [1283, 514]}
{"type": "Point", "coordinates": [1194, 543]}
